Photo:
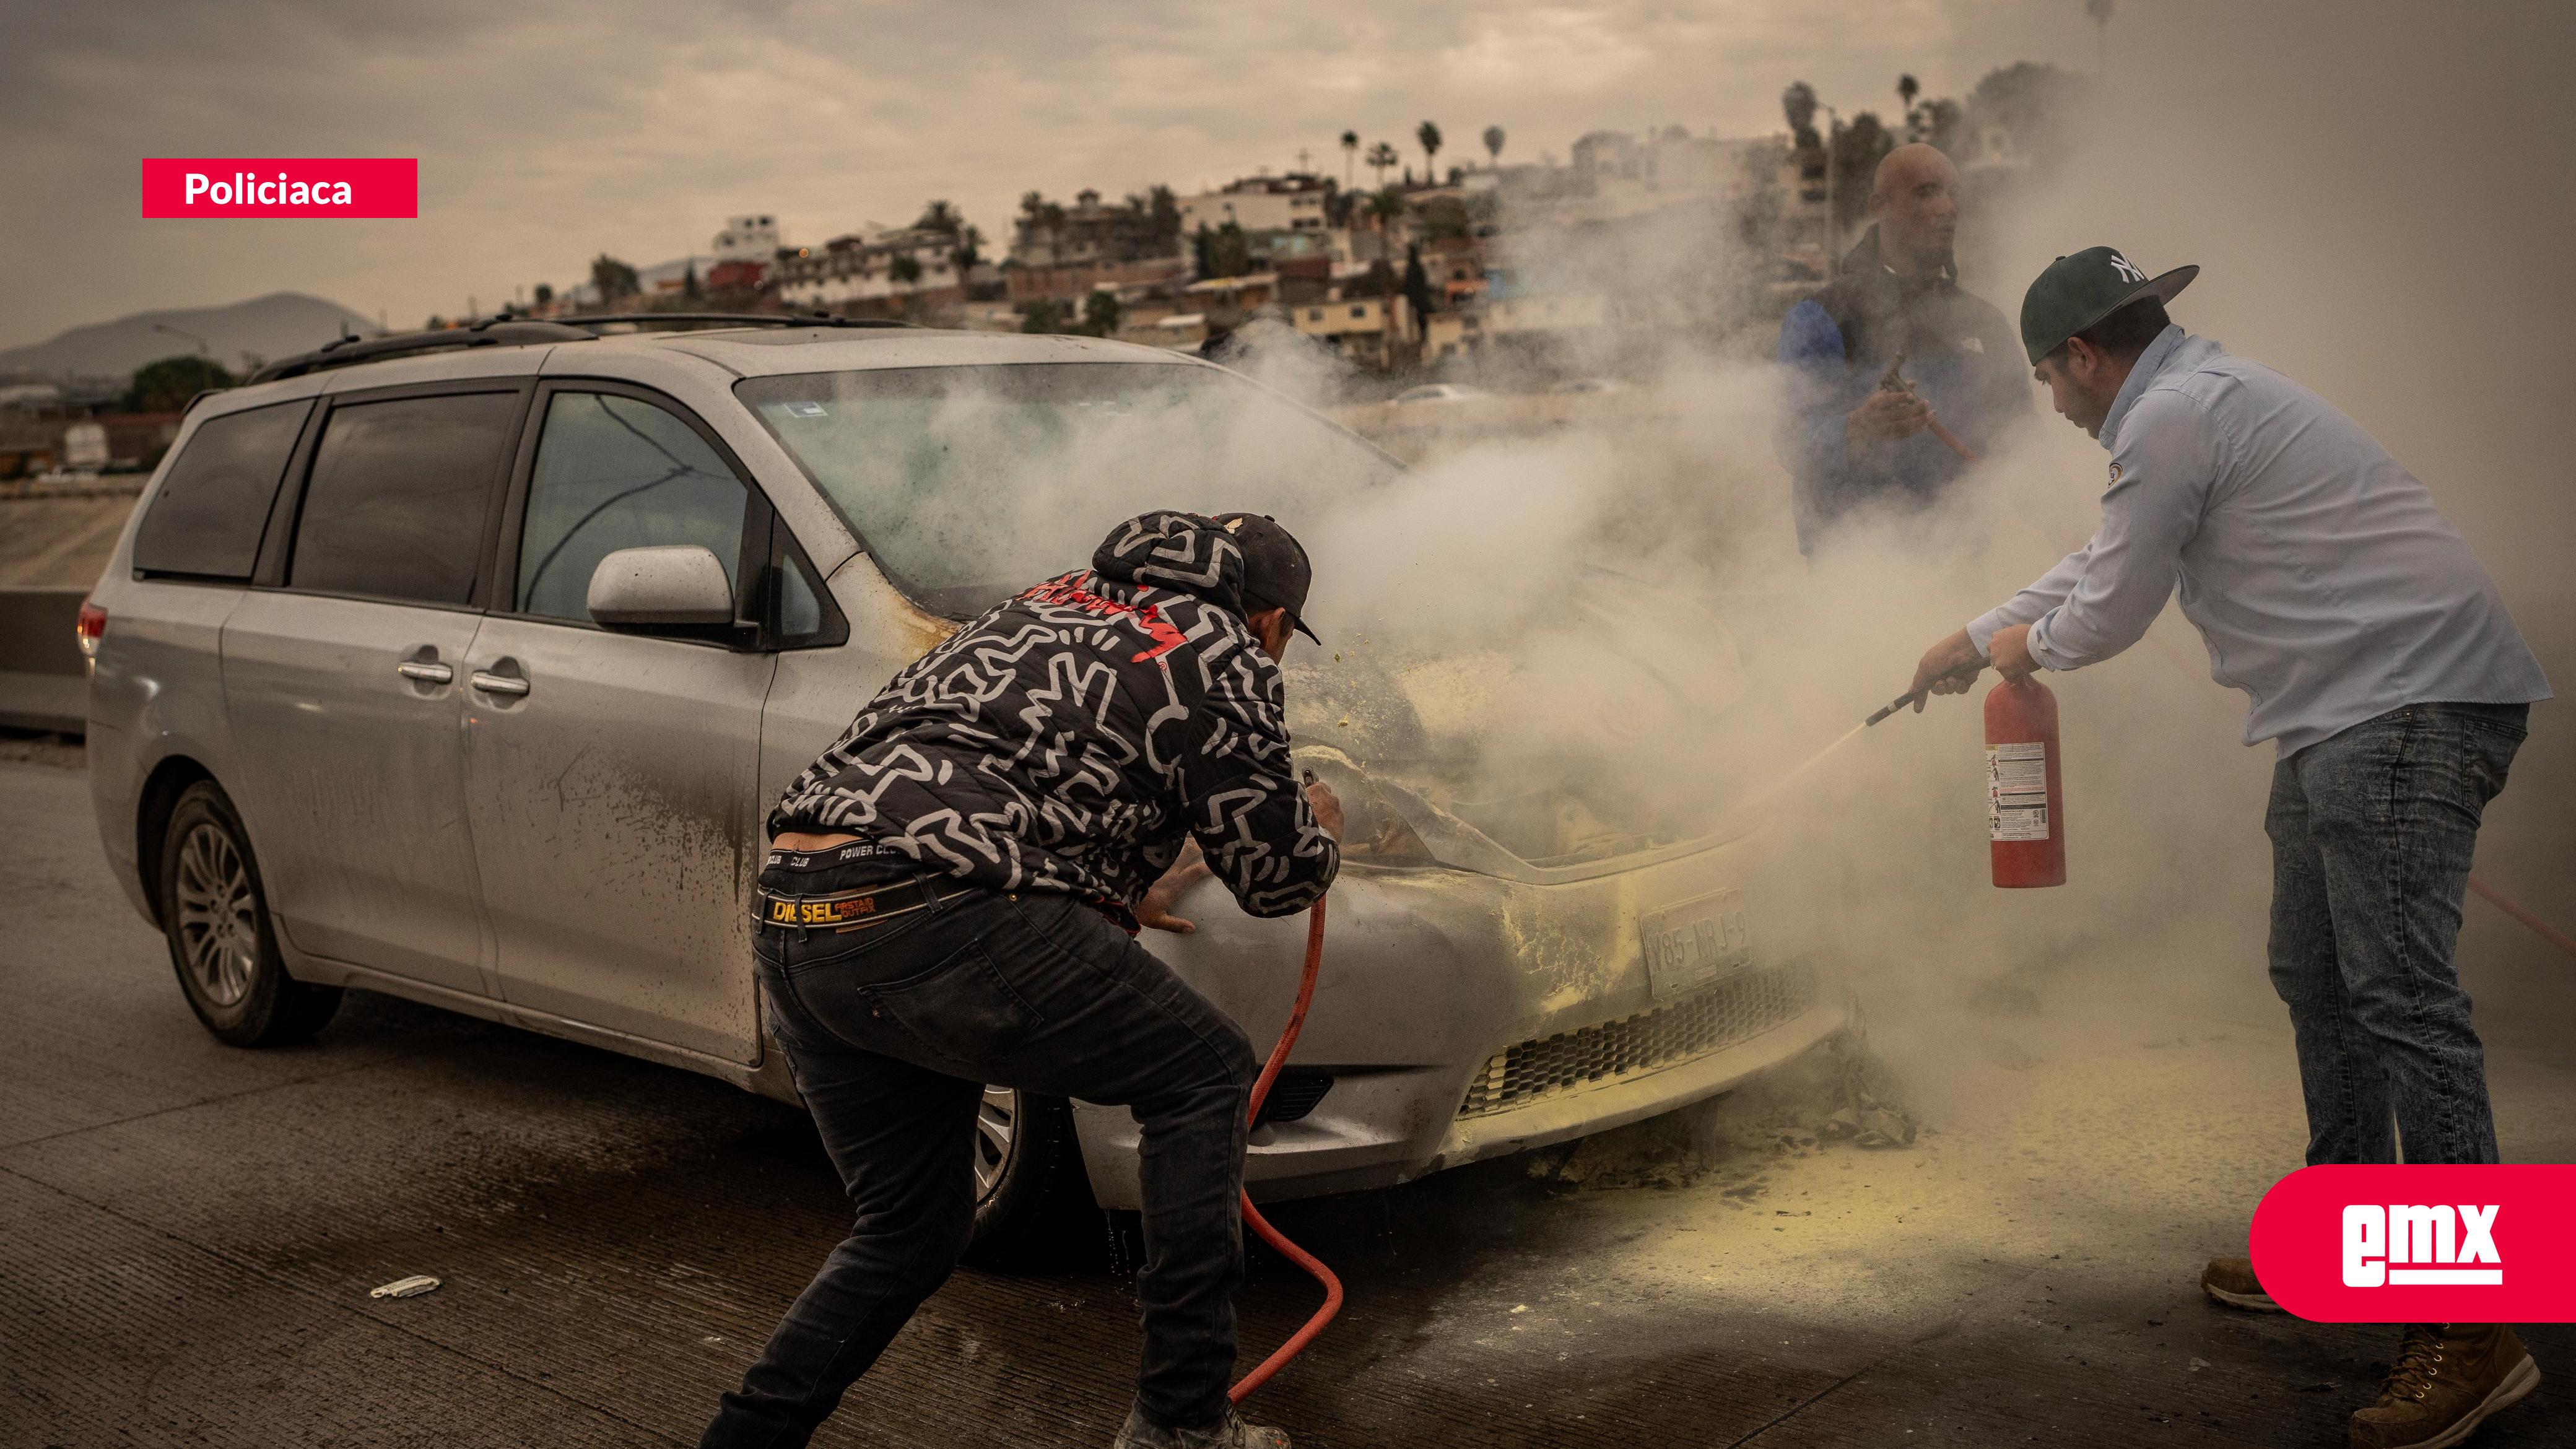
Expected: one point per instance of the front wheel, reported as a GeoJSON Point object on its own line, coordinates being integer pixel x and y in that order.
{"type": "Point", "coordinates": [1030, 1190]}
{"type": "Point", "coordinates": [222, 942]}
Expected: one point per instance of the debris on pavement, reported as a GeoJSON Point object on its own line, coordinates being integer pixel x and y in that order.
{"type": "Point", "coordinates": [1863, 1116]}
{"type": "Point", "coordinates": [411, 1287]}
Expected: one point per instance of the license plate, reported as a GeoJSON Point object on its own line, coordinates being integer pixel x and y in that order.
{"type": "Point", "coordinates": [1693, 944]}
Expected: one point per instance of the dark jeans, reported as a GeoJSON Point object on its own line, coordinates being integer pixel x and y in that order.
{"type": "Point", "coordinates": [893, 1031]}
{"type": "Point", "coordinates": [2372, 833]}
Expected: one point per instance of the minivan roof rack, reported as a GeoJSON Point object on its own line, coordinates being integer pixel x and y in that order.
{"type": "Point", "coordinates": [746, 319]}
{"type": "Point", "coordinates": [505, 330]}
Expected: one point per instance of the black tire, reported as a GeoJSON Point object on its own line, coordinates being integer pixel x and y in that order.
{"type": "Point", "coordinates": [1033, 1196]}
{"type": "Point", "coordinates": [223, 944]}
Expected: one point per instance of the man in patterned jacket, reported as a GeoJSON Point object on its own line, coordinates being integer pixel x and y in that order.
{"type": "Point", "coordinates": [949, 901]}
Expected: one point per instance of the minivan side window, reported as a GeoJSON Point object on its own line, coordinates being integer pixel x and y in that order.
{"type": "Point", "coordinates": [394, 507]}
{"type": "Point", "coordinates": [213, 504]}
{"type": "Point", "coordinates": [617, 472]}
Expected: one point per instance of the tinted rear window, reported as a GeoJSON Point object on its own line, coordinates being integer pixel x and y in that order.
{"type": "Point", "coordinates": [207, 518]}
{"type": "Point", "coordinates": [395, 504]}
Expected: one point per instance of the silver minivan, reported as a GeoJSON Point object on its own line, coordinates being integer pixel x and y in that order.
{"type": "Point", "coordinates": [464, 667]}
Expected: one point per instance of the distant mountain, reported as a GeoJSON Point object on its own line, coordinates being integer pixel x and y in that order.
{"type": "Point", "coordinates": [277, 325]}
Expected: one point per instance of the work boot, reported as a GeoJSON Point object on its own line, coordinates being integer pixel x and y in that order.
{"type": "Point", "coordinates": [2231, 1281]}
{"type": "Point", "coordinates": [2448, 1378]}
{"type": "Point", "coordinates": [1230, 1432]}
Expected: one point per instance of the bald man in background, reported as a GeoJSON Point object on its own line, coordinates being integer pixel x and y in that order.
{"type": "Point", "coordinates": [1847, 439]}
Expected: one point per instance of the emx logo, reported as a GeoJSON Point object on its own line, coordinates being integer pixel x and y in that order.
{"type": "Point", "coordinates": [2433, 1242]}
{"type": "Point", "coordinates": [2429, 1244]}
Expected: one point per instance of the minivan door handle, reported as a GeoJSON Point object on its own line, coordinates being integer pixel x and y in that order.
{"type": "Point", "coordinates": [425, 671]}
{"type": "Point", "coordinates": [490, 683]}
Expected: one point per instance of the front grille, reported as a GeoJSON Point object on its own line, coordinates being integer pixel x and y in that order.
{"type": "Point", "coordinates": [1738, 1009]}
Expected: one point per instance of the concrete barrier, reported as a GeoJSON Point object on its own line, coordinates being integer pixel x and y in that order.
{"type": "Point", "coordinates": [44, 682]}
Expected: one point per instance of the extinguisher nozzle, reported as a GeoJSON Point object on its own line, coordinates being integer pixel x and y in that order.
{"type": "Point", "coordinates": [1900, 702]}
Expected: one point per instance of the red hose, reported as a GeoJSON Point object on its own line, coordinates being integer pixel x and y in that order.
{"type": "Point", "coordinates": [1297, 1341]}
{"type": "Point", "coordinates": [1951, 438]}
{"type": "Point", "coordinates": [2539, 927]}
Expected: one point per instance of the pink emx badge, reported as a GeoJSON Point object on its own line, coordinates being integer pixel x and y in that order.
{"type": "Point", "coordinates": [2421, 1244]}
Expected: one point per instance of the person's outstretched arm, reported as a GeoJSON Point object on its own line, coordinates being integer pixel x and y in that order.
{"type": "Point", "coordinates": [1239, 792]}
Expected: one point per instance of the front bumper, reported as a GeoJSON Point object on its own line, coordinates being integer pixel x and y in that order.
{"type": "Point", "coordinates": [1465, 1017]}
{"type": "Point", "coordinates": [1359, 1138]}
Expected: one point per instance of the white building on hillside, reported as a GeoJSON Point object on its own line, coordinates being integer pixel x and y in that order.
{"type": "Point", "coordinates": [1294, 202]}
{"type": "Point", "coordinates": [747, 239]}
{"type": "Point", "coordinates": [864, 267]}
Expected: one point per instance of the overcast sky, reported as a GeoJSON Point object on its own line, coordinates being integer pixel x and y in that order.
{"type": "Point", "coordinates": [551, 130]}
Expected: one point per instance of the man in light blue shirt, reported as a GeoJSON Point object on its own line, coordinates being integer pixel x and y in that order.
{"type": "Point", "coordinates": [2377, 654]}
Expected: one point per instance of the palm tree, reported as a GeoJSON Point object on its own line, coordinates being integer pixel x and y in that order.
{"type": "Point", "coordinates": [1798, 107]}
{"type": "Point", "coordinates": [1386, 206]}
{"type": "Point", "coordinates": [1350, 153]}
{"type": "Point", "coordinates": [1380, 157]}
{"type": "Point", "coordinates": [941, 217]}
{"type": "Point", "coordinates": [1429, 135]}
{"type": "Point", "coordinates": [905, 271]}
{"type": "Point", "coordinates": [1494, 143]}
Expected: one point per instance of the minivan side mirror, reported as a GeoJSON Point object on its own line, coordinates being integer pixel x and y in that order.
{"type": "Point", "coordinates": [651, 587]}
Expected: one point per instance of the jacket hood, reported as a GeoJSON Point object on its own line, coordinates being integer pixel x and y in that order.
{"type": "Point", "coordinates": [1169, 550]}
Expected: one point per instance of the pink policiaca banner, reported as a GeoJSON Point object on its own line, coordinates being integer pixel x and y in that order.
{"type": "Point", "coordinates": [2421, 1244]}
{"type": "Point", "coordinates": [359, 186]}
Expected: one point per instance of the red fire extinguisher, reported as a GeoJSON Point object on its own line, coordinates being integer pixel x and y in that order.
{"type": "Point", "coordinates": [2025, 800]}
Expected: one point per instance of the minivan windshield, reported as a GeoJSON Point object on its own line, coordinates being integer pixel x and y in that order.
{"type": "Point", "coordinates": [968, 484]}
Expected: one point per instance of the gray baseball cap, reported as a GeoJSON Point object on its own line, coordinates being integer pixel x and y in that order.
{"type": "Point", "coordinates": [2079, 290]}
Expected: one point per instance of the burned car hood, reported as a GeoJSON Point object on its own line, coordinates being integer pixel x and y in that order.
{"type": "Point", "coordinates": [1581, 746]}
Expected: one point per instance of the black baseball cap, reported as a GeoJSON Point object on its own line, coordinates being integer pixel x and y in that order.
{"type": "Point", "coordinates": [2079, 290]}
{"type": "Point", "coordinates": [1275, 571]}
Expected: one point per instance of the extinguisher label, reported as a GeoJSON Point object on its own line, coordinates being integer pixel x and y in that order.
{"type": "Point", "coordinates": [2017, 791]}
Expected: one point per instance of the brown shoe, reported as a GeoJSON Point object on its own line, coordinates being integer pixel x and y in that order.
{"type": "Point", "coordinates": [1230, 1432]}
{"type": "Point", "coordinates": [2449, 1377]}
{"type": "Point", "coordinates": [2231, 1281]}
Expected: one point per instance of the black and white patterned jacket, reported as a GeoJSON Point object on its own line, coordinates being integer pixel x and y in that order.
{"type": "Point", "coordinates": [1071, 738]}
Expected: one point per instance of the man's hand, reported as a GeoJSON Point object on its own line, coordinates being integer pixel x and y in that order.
{"type": "Point", "coordinates": [1887, 416]}
{"type": "Point", "coordinates": [1327, 807]}
{"type": "Point", "coordinates": [1155, 910]}
{"type": "Point", "coordinates": [2013, 659]}
{"type": "Point", "coordinates": [1948, 667]}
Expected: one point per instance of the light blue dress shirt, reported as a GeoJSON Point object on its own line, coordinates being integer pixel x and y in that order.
{"type": "Point", "coordinates": [2325, 582]}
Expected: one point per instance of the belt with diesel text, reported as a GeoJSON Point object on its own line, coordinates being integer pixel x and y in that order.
{"type": "Point", "coordinates": [851, 909]}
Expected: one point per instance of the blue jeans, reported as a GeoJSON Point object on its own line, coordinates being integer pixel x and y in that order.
{"type": "Point", "coordinates": [2373, 830]}
{"type": "Point", "coordinates": [893, 1031]}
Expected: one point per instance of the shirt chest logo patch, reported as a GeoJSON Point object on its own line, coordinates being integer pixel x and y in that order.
{"type": "Point", "coordinates": [2115, 475]}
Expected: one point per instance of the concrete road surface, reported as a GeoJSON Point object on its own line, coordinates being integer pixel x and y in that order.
{"type": "Point", "coordinates": [188, 1234]}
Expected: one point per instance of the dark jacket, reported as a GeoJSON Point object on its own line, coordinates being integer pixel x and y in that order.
{"type": "Point", "coordinates": [1071, 738]}
{"type": "Point", "coordinates": [1960, 354]}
